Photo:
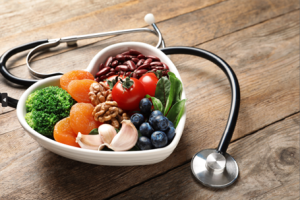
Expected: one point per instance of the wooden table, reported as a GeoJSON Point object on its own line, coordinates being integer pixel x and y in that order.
{"type": "Point", "coordinates": [258, 38]}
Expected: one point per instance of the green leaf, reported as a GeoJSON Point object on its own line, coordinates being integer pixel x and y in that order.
{"type": "Point", "coordinates": [176, 112]}
{"type": "Point", "coordinates": [175, 92]}
{"type": "Point", "coordinates": [94, 132]}
{"type": "Point", "coordinates": [162, 90]}
{"type": "Point", "coordinates": [156, 103]}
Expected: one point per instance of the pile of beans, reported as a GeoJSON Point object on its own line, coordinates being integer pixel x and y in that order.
{"type": "Point", "coordinates": [129, 62]}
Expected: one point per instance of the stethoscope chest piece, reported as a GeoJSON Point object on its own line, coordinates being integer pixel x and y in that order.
{"type": "Point", "coordinates": [213, 169]}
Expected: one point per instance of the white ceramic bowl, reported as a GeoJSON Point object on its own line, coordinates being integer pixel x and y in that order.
{"type": "Point", "coordinates": [127, 158]}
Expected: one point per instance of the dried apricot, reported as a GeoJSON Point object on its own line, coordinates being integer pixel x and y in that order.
{"type": "Point", "coordinates": [79, 90]}
{"type": "Point", "coordinates": [63, 133]}
{"type": "Point", "coordinates": [81, 118]}
{"type": "Point", "coordinates": [74, 75]}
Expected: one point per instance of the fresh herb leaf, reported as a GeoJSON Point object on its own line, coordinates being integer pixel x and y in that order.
{"type": "Point", "coordinates": [156, 103]}
{"type": "Point", "coordinates": [176, 112]}
{"type": "Point", "coordinates": [175, 92]}
{"type": "Point", "coordinates": [162, 90]}
{"type": "Point", "coordinates": [117, 130]}
{"type": "Point", "coordinates": [94, 132]}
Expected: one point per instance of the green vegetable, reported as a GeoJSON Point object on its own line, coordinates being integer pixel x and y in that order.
{"type": "Point", "coordinates": [175, 92]}
{"type": "Point", "coordinates": [45, 107]}
{"type": "Point", "coordinates": [162, 90]}
{"type": "Point", "coordinates": [156, 103]}
{"type": "Point", "coordinates": [168, 98]}
{"type": "Point", "coordinates": [94, 132]}
{"type": "Point", "coordinates": [176, 112]}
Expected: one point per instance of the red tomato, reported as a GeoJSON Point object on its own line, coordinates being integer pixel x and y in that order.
{"type": "Point", "coordinates": [128, 99]}
{"type": "Point", "coordinates": [149, 82]}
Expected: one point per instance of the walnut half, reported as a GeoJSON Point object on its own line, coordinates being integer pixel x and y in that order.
{"type": "Point", "coordinates": [99, 93]}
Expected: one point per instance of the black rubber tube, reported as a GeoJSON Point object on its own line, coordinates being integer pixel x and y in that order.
{"type": "Point", "coordinates": [10, 53]}
{"type": "Point", "coordinates": [235, 89]}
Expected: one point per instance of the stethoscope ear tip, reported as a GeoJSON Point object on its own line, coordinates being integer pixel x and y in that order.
{"type": "Point", "coordinates": [149, 18]}
{"type": "Point", "coordinates": [213, 169]}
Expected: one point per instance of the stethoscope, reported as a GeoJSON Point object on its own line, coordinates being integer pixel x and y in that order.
{"type": "Point", "coordinates": [212, 167]}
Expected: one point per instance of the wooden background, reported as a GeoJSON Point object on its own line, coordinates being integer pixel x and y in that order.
{"type": "Point", "coordinates": [258, 38]}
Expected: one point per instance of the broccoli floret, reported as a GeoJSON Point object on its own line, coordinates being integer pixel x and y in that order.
{"type": "Point", "coordinates": [46, 107]}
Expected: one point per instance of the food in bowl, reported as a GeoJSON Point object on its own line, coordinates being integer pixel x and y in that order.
{"type": "Point", "coordinates": [100, 157]}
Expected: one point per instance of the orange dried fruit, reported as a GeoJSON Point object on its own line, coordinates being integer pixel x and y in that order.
{"type": "Point", "coordinates": [63, 133]}
{"type": "Point", "coordinates": [81, 118]}
{"type": "Point", "coordinates": [79, 90]}
{"type": "Point", "coordinates": [74, 75]}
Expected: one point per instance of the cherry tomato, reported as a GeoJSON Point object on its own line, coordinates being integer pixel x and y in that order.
{"type": "Point", "coordinates": [128, 99]}
{"type": "Point", "coordinates": [149, 82]}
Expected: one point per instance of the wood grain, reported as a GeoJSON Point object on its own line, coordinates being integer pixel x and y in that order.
{"type": "Point", "coordinates": [263, 158]}
{"type": "Point", "coordinates": [96, 17]}
{"type": "Point", "coordinates": [48, 171]}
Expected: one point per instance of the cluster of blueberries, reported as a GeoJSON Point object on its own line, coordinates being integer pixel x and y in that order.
{"type": "Point", "coordinates": [158, 132]}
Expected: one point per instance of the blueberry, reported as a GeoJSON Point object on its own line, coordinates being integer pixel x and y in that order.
{"type": "Point", "coordinates": [171, 124]}
{"type": "Point", "coordinates": [137, 119]}
{"type": "Point", "coordinates": [170, 134]}
{"type": "Point", "coordinates": [159, 139]}
{"type": "Point", "coordinates": [160, 123]}
{"type": "Point", "coordinates": [144, 143]}
{"type": "Point", "coordinates": [145, 106]}
{"type": "Point", "coordinates": [146, 129]}
{"type": "Point", "coordinates": [154, 114]}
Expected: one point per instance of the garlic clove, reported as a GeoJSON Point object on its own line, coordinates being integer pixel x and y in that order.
{"type": "Point", "coordinates": [92, 142]}
{"type": "Point", "coordinates": [126, 138]}
{"type": "Point", "coordinates": [107, 132]}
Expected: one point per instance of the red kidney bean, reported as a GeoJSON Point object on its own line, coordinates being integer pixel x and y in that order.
{"type": "Point", "coordinates": [110, 74]}
{"type": "Point", "coordinates": [141, 56]}
{"type": "Point", "coordinates": [127, 73]}
{"type": "Point", "coordinates": [165, 66]}
{"type": "Point", "coordinates": [103, 71]}
{"type": "Point", "coordinates": [148, 61]}
{"type": "Point", "coordinates": [112, 70]}
{"type": "Point", "coordinates": [120, 57]}
{"type": "Point", "coordinates": [120, 73]}
{"type": "Point", "coordinates": [113, 58]}
{"type": "Point", "coordinates": [134, 75]}
{"type": "Point", "coordinates": [103, 77]}
{"type": "Point", "coordinates": [156, 63]}
{"type": "Point", "coordinates": [153, 67]}
{"type": "Point", "coordinates": [144, 66]}
{"type": "Point", "coordinates": [159, 68]}
{"type": "Point", "coordinates": [101, 66]}
{"type": "Point", "coordinates": [154, 58]}
{"type": "Point", "coordinates": [140, 62]}
{"type": "Point", "coordinates": [128, 57]}
{"type": "Point", "coordinates": [154, 70]}
{"type": "Point", "coordinates": [114, 63]}
{"type": "Point", "coordinates": [135, 60]}
{"type": "Point", "coordinates": [108, 61]}
{"type": "Point", "coordinates": [122, 68]}
{"type": "Point", "coordinates": [140, 72]}
{"type": "Point", "coordinates": [131, 65]}
{"type": "Point", "coordinates": [134, 52]}
{"type": "Point", "coordinates": [97, 79]}
{"type": "Point", "coordinates": [125, 53]}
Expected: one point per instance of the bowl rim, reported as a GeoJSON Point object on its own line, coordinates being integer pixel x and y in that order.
{"type": "Point", "coordinates": [21, 109]}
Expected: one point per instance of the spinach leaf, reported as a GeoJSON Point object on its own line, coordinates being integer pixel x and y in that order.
{"type": "Point", "coordinates": [176, 112]}
{"type": "Point", "coordinates": [156, 103]}
{"type": "Point", "coordinates": [162, 90]}
{"type": "Point", "coordinates": [175, 92]}
{"type": "Point", "coordinates": [94, 132]}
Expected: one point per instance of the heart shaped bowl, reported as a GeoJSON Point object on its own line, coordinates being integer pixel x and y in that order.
{"type": "Point", "coordinates": [126, 158]}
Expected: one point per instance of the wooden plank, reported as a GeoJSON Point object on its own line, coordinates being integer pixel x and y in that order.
{"type": "Point", "coordinates": [187, 34]}
{"type": "Point", "coordinates": [111, 17]}
{"type": "Point", "coordinates": [8, 122]}
{"type": "Point", "coordinates": [198, 26]}
{"type": "Point", "coordinates": [206, 82]}
{"type": "Point", "coordinates": [267, 160]}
